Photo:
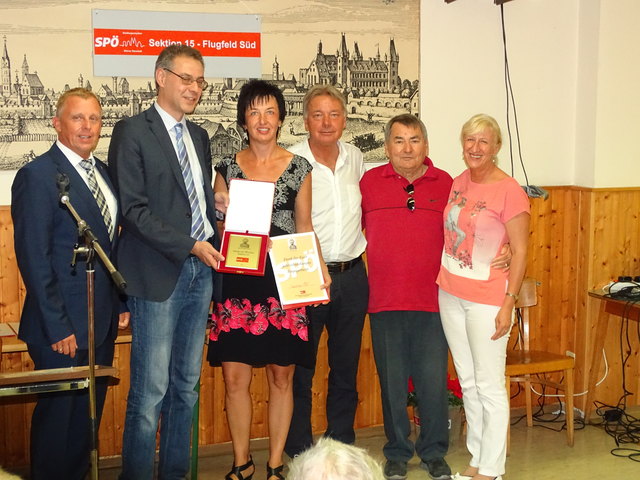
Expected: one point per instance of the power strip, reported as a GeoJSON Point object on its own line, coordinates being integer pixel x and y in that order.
{"type": "Point", "coordinates": [615, 287]}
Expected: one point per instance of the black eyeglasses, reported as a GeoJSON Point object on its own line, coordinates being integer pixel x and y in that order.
{"type": "Point", "coordinates": [188, 79]}
{"type": "Point", "coordinates": [411, 202]}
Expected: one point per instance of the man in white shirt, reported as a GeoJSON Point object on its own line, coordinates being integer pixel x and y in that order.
{"type": "Point", "coordinates": [336, 213]}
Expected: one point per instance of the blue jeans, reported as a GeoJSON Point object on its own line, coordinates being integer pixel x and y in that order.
{"type": "Point", "coordinates": [410, 343]}
{"type": "Point", "coordinates": [166, 358]}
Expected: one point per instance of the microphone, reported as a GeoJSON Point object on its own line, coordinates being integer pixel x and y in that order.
{"type": "Point", "coordinates": [62, 180]}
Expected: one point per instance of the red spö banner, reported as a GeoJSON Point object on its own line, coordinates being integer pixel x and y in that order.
{"type": "Point", "coordinates": [108, 41]}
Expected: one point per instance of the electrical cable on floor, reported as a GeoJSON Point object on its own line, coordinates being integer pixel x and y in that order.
{"type": "Point", "coordinates": [531, 190]}
{"type": "Point", "coordinates": [616, 422]}
{"type": "Point", "coordinates": [518, 342]}
{"type": "Point", "coordinates": [541, 417]}
{"type": "Point", "coordinates": [540, 414]}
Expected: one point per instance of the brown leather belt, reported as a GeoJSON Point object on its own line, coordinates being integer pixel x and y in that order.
{"type": "Point", "coordinates": [337, 267]}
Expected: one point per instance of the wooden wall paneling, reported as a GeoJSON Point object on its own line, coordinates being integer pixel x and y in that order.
{"type": "Point", "coordinates": [369, 402]}
{"type": "Point", "coordinates": [209, 403]}
{"type": "Point", "coordinates": [15, 418]}
{"type": "Point", "coordinates": [585, 310]}
{"type": "Point", "coordinates": [10, 281]}
{"type": "Point", "coordinates": [319, 386]}
{"type": "Point", "coordinates": [614, 251]}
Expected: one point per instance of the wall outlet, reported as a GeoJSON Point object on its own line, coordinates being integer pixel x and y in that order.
{"type": "Point", "coordinates": [569, 353]}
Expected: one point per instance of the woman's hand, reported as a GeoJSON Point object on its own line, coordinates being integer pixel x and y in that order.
{"type": "Point", "coordinates": [221, 199]}
{"type": "Point", "coordinates": [327, 283]}
{"type": "Point", "coordinates": [503, 259]}
{"type": "Point", "coordinates": [503, 322]}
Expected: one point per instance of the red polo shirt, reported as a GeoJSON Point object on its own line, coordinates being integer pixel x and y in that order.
{"type": "Point", "coordinates": [404, 247]}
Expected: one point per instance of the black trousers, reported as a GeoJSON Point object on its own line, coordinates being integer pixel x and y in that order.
{"type": "Point", "coordinates": [60, 426]}
{"type": "Point", "coordinates": [343, 318]}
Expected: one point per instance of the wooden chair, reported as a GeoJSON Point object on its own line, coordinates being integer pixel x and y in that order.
{"type": "Point", "coordinates": [524, 365]}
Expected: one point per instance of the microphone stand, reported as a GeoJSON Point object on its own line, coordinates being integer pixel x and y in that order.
{"type": "Point", "coordinates": [89, 249]}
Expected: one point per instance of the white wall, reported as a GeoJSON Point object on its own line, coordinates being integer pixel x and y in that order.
{"type": "Point", "coordinates": [575, 74]}
{"type": "Point", "coordinates": [617, 150]}
{"type": "Point", "coordinates": [462, 73]}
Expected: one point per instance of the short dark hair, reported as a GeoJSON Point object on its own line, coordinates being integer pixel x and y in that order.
{"type": "Point", "coordinates": [166, 57]}
{"type": "Point", "coordinates": [258, 90]}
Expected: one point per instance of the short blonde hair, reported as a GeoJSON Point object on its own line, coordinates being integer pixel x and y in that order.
{"type": "Point", "coordinates": [478, 122]}
{"type": "Point", "coordinates": [75, 92]}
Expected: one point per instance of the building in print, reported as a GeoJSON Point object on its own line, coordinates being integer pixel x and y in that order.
{"type": "Point", "coordinates": [25, 89]}
{"type": "Point", "coordinates": [351, 71]}
{"type": "Point", "coordinates": [372, 87]}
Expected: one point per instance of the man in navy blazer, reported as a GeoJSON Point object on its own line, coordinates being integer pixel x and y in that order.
{"type": "Point", "coordinates": [54, 316]}
{"type": "Point", "coordinates": [161, 165]}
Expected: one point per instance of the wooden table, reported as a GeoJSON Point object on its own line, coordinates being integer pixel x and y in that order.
{"type": "Point", "coordinates": [608, 306]}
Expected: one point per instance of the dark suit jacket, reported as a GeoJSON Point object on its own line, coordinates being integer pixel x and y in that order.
{"type": "Point", "coordinates": [156, 224]}
{"type": "Point", "coordinates": [44, 235]}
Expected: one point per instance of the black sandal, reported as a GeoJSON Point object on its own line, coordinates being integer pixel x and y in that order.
{"type": "Point", "coordinates": [236, 471]}
{"type": "Point", "coordinates": [275, 472]}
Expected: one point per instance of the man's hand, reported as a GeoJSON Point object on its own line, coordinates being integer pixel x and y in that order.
{"type": "Point", "coordinates": [503, 259]}
{"type": "Point", "coordinates": [123, 320]}
{"type": "Point", "coordinates": [66, 346]}
{"type": "Point", "coordinates": [207, 254]}
{"type": "Point", "coordinates": [221, 201]}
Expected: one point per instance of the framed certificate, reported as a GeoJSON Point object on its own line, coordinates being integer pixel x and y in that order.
{"type": "Point", "coordinates": [246, 234]}
{"type": "Point", "coordinates": [296, 266]}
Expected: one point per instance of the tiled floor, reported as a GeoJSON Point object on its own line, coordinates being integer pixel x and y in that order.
{"type": "Point", "coordinates": [536, 454]}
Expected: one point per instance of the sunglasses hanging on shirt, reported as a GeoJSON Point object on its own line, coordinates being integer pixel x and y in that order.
{"type": "Point", "coordinates": [411, 202]}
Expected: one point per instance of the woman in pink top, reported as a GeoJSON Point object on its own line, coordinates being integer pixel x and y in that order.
{"type": "Point", "coordinates": [486, 209]}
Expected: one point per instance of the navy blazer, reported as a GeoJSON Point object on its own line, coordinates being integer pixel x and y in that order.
{"type": "Point", "coordinates": [44, 235]}
{"type": "Point", "coordinates": [156, 214]}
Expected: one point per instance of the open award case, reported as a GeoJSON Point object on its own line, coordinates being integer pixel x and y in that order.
{"type": "Point", "coordinates": [246, 234]}
{"type": "Point", "coordinates": [296, 266]}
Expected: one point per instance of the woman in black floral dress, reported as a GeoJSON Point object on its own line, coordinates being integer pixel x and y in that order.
{"type": "Point", "coordinates": [250, 329]}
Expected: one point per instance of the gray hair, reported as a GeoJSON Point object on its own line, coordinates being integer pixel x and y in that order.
{"type": "Point", "coordinates": [329, 459]}
{"type": "Point", "coordinates": [318, 90]}
{"type": "Point", "coordinates": [407, 120]}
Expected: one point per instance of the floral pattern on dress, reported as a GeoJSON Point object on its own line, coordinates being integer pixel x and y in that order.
{"type": "Point", "coordinates": [236, 313]}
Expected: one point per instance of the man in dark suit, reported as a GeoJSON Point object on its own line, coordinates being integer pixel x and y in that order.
{"type": "Point", "coordinates": [54, 316]}
{"type": "Point", "coordinates": [161, 165]}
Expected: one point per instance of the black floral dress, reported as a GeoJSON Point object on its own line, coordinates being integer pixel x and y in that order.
{"type": "Point", "coordinates": [249, 325]}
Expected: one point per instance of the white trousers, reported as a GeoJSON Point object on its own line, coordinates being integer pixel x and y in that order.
{"type": "Point", "coordinates": [480, 364]}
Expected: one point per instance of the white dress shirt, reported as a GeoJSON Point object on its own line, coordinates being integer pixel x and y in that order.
{"type": "Point", "coordinates": [196, 171]}
{"type": "Point", "coordinates": [75, 159]}
{"type": "Point", "coordinates": [336, 202]}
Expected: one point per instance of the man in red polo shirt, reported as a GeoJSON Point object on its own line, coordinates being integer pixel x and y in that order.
{"type": "Point", "coordinates": [402, 205]}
